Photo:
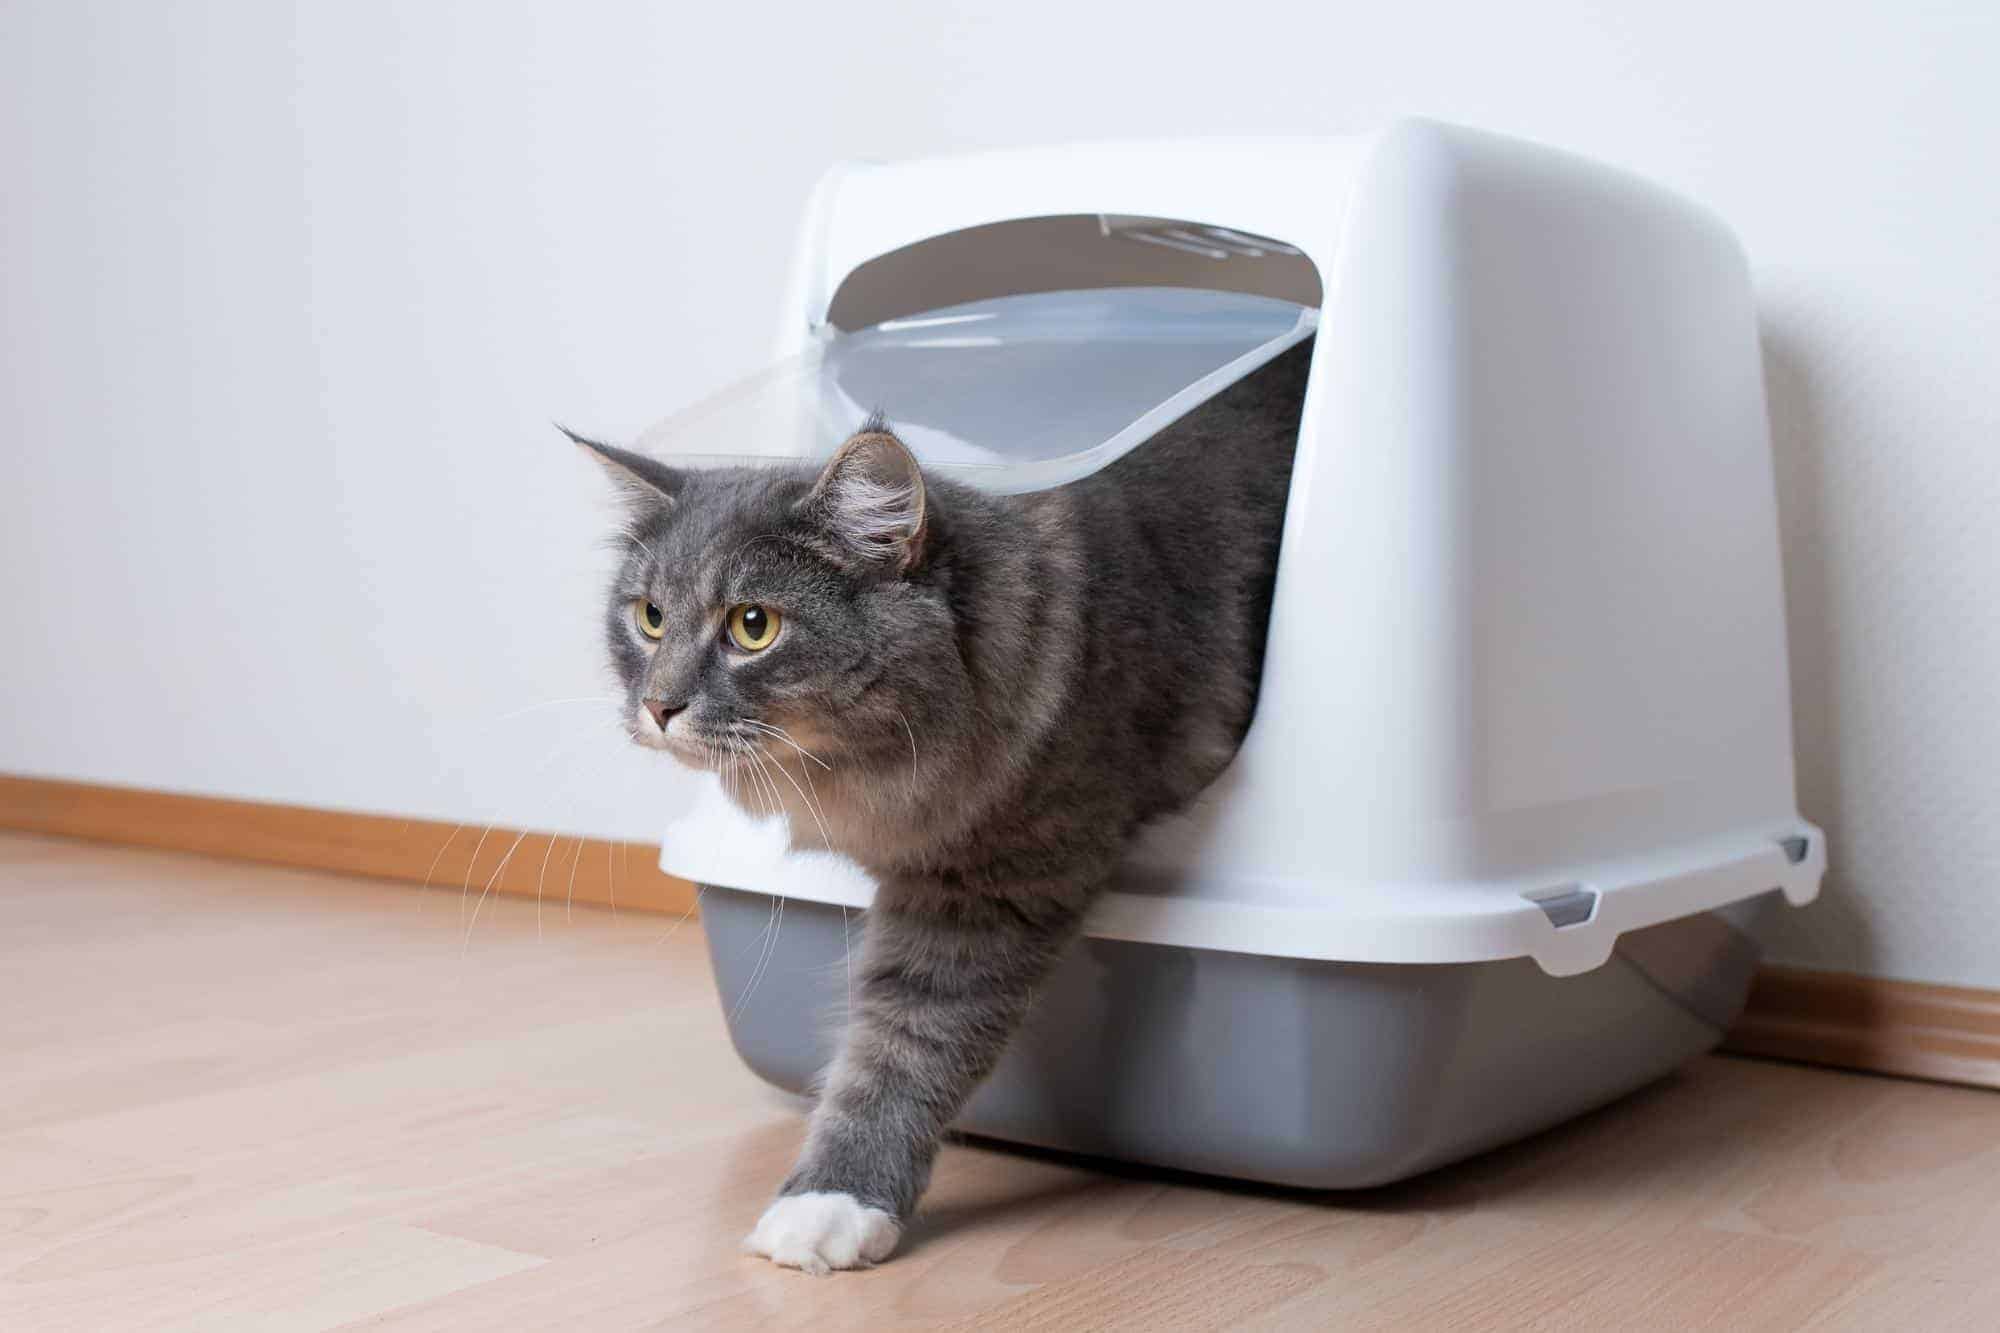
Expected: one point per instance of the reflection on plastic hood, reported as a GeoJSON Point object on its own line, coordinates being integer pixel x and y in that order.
{"type": "Point", "coordinates": [1017, 393]}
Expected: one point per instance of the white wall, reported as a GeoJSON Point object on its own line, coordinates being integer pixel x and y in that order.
{"type": "Point", "coordinates": [291, 294]}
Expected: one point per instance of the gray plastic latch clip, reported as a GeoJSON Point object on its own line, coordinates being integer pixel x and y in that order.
{"type": "Point", "coordinates": [1570, 905]}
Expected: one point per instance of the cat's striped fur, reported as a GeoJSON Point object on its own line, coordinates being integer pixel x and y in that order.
{"type": "Point", "coordinates": [1002, 690]}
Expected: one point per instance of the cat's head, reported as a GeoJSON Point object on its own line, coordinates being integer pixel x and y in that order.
{"type": "Point", "coordinates": [776, 609]}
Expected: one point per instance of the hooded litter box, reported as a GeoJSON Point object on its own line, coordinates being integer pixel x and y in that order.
{"type": "Point", "coordinates": [1520, 777]}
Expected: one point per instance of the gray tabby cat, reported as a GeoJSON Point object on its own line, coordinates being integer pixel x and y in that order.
{"type": "Point", "coordinates": [1066, 665]}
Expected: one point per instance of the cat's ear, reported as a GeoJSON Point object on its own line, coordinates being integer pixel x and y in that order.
{"type": "Point", "coordinates": [870, 500]}
{"type": "Point", "coordinates": [641, 480]}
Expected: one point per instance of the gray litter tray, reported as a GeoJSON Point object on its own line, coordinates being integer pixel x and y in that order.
{"type": "Point", "coordinates": [1293, 1071]}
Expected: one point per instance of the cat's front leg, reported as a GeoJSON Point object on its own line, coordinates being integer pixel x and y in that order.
{"type": "Point", "coordinates": [945, 977]}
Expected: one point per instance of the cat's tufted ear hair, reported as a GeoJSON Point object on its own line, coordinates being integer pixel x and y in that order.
{"type": "Point", "coordinates": [641, 480]}
{"type": "Point", "coordinates": [870, 500]}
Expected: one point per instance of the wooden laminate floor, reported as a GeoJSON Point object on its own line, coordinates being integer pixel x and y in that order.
{"type": "Point", "coordinates": [239, 1097]}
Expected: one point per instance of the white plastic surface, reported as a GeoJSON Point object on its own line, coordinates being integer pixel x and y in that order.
{"type": "Point", "coordinates": [1013, 394]}
{"type": "Point", "coordinates": [1528, 631]}
{"type": "Point", "coordinates": [711, 841]}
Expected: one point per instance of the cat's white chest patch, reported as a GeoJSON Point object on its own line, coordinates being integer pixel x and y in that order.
{"type": "Point", "coordinates": [821, 1232]}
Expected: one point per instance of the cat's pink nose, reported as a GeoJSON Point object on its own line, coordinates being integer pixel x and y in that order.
{"type": "Point", "coordinates": [662, 711]}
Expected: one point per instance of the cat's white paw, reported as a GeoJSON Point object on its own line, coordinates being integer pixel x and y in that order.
{"type": "Point", "coordinates": [821, 1232]}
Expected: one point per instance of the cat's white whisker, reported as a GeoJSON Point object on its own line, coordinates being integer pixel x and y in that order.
{"type": "Point", "coordinates": [813, 790]}
{"type": "Point", "coordinates": [424, 888]}
{"type": "Point", "coordinates": [758, 758]}
{"type": "Point", "coordinates": [777, 806]}
{"type": "Point", "coordinates": [465, 889]}
{"type": "Point", "coordinates": [812, 806]}
{"type": "Point", "coordinates": [770, 953]}
{"type": "Point", "coordinates": [555, 703]}
{"type": "Point", "coordinates": [699, 890]}
{"type": "Point", "coordinates": [847, 951]}
{"type": "Point", "coordinates": [753, 790]}
{"type": "Point", "coordinates": [762, 793]}
{"type": "Point", "coordinates": [569, 899]}
{"type": "Point", "coordinates": [735, 777]}
{"type": "Point", "coordinates": [776, 933]}
{"type": "Point", "coordinates": [731, 778]}
{"type": "Point", "coordinates": [491, 880]}
{"type": "Point", "coordinates": [786, 737]}
{"type": "Point", "coordinates": [637, 545]}
{"type": "Point", "coordinates": [554, 752]}
{"type": "Point", "coordinates": [753, 793]}
{"type": "Point", "coordinates": [737, 554]}
{"type": "Point", "coordinates": [573, 794]}
{"type": "Point", "coordinates": [764, 944]}
{"type": "Point", "coordinates": [541, 878]}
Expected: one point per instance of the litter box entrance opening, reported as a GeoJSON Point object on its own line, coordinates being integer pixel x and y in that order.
{"type": "Point", "coordinates": [1073, 252]}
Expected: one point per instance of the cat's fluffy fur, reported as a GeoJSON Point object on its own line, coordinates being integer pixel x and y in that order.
{"type": "Point", "coordinates": [1001, 689]}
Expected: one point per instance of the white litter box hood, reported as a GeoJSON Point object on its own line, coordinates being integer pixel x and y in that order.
{"type": "Point", "coordinates": [1526, 687]}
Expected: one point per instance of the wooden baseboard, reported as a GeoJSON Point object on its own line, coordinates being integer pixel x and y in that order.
{"type": "Point", "coordinates": [583, 870]}
{"type": "Point", "coordinates": [1947, 1033]}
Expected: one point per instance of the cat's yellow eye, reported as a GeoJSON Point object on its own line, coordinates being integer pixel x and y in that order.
{"type": "Point", "coordinates": [752, 627]}
{"type": "Point", "coordinates": [652, 621]}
